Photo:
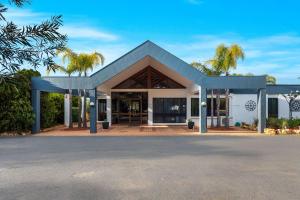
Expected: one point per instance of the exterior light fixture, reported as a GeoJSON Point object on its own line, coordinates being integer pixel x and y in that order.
{"type": "Point", "coordinates": [203, 104]}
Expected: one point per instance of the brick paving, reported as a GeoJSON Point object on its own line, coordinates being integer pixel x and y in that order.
{"type": "Point", "coordinates": [125, 130]}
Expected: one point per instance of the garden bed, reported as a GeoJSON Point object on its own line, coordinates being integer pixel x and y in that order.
{"type": "Point", "coordinates": [283, 126]}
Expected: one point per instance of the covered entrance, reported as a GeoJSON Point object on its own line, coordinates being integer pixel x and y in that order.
{"type": "Point", "coordinates": [129, 108]}
{"type": "Point", "coordinates": [150, 85]}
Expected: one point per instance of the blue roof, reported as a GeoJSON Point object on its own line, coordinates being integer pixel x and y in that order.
{"type": "Point", "coordinates": [148, 49]}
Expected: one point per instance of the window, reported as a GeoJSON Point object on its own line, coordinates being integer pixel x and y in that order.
{"type": "Point", "coordinates": [101, 109]}
{"type": "Point", "coordinates": [195, 107]}
{"type": "Point", "coordinates": [169, 110]}
{"type": "Point", "coordinates": [273, 107]}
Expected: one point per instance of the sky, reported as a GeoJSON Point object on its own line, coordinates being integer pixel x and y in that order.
{"type": "Point", "coordinates": [267, 30]}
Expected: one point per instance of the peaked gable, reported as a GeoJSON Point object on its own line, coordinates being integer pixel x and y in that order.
{"type": "Point", "coordinates": [148, 48]}
{"type": "Point", "coordinates": [149, 78]}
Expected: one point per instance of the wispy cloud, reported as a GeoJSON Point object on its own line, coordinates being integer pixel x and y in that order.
{"type": "Point", "coordinates": [195, 2]}
{"type": "Point", "coordinates": [88, 32]}
{"type": "Point", "coordinates": [76, 31]}
{"type": "Point", "coordinates": [272, 54]}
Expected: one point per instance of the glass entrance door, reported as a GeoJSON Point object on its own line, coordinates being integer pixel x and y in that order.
{"type": "Point", "coordinates": [130, 108]}
{"type": "Point", "coordinates": [135, 112]}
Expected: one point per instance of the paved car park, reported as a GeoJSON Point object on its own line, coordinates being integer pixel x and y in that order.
{"type": "Point", "coordinates": [192, 167]}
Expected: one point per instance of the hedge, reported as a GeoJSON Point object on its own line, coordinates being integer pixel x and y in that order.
{"type": "Point", "coordinates": [275, 123]}
{"type": "Point", "coordinates": [16, 113]}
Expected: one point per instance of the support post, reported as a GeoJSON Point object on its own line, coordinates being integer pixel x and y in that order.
{"type": "Point", "coordinates": [202, 110]}
{"type": "Point", "coordinates": [261, 110]}
{"type": "Point", "coordinates": [108, 108]}
{"type": "Point", "coordinates": [36, 106]}
{"type": "Point", "coordinates": [93, 113]}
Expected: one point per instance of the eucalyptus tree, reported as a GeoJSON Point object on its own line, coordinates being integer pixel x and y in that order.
{"type": "Point", "coordinates": [32, 45]}
{"type": "Point", "coordinates": [226, 59]}
{"type": "Point", "coordinates": [211, 71]}
{"type": "Point", "coordinates": [271, 80]}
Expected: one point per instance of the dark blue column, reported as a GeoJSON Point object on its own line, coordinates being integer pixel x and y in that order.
{"type": "Point", "coordinates": [35, 102]}
{"type": "Point", "coordinates": [261, 110]}
{"type": "Point", "coordinates": [202, 110]}
{"type": "Point", "coordinates": [93, 113]}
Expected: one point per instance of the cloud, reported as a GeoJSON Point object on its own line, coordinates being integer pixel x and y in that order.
{"type": "Point", "coordinates": [272, 54]}
{"type": "Point", "coordinates": [195, 2]}
{"type": "Point", "coordinates": [24, 16]}
{"type": "Point", "coordinates": [79, 31]}
{"type": "Point", "coordinates": [87, 32]}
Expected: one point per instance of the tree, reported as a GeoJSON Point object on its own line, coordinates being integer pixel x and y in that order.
{"type": "Point", "coordinates": [211, 71]}
{"type": "Point", "coordinates": [290, 99]}
{"type": "Point", "coordinates": [226, 58]}
{"type": "Point", "coordinates": [271, 80]}
{"type": "Point", "coordinates": [87, 62]}
{"type": "Point", "coordinates": [69, 70]}
{"type": "Point", "coordinates": [73, 65]}
{"type": "Point", "coordinates": [16, 114]}
{"type": "Point", "coordinates": [81, 63]}
{"type": "Point", "coordinates": [32, 45]}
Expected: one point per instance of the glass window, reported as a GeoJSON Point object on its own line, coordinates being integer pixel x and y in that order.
{"type": "Point", "coordinates": [195, 107]}
{"type": "Point", "coordinates": [273, 107]}
{"type": "Point", "coordinates": [169, 110]}
{"type": "Point", "coordinates": [101, 109]}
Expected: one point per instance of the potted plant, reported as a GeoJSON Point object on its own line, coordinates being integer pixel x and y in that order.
{"type": "Point", "coordinates": [191, 124]}
{"type": "Point", "coordinates": [105, 124]}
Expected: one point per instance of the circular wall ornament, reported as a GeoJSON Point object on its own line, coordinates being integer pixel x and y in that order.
{"type": "Point", "coordinates": [296, 106]}
{"type": "Point", "coordinates": [250, 105]}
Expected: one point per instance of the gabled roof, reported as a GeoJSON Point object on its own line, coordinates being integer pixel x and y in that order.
{"type": "Point", "coordinates": [147, 48]}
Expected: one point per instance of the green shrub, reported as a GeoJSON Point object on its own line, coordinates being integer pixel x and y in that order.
{"type": "Point", "coordinates": [58, 101]}
{"type": "Point", "coordinates": [283, 123]}
{"type": "Point", "coordinates": [16, 114]}
{"type": "Point", "coordinates": [52, 109]}
{"type": "Point", "coordinates": [294, 123]}
{"type": "Point", "coordinates": [237, 124]}
{"type": "Point", "coordinates": [273, 123]}
{"type": "Point", "coordinates": [75, 114]}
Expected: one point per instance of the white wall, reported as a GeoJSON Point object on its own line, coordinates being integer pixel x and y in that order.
{"type": "Point", "coordinates": [238, 112]}
{"type": "Point", "coordinates": [66, 109]}
{"type": "Point", "coordinates": [283, 107]}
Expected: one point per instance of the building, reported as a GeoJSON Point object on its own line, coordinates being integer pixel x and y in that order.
{"type": "Point", "coordinates": [149, 85]}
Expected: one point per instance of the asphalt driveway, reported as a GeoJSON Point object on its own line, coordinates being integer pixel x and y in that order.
{"type": "Point", "coordinates": [209, 167]}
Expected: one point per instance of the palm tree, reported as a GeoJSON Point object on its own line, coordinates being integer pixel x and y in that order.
{"type": "Point", "coordinates": [69, 70]}
{"type": "Point", "coordinates": [226, 58]}
{"type": "Point", "coordinates": [212, 71]}
{"type": "Point", "coordinates": [88, 62]}
{"type": "Point", "coordinates": [73, 63]}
